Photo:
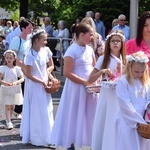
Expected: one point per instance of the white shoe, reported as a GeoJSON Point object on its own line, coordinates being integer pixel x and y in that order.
{"type": "Point", "coordinates": [19, 116]}
{"type": "Point", "coordinates": [9, 125]}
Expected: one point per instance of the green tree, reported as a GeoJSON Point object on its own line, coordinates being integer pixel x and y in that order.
{"type": "Point", "coordinates": [70, 10]}
{"type": "Point", "coordinates": [15, 15]}
{"type": "Point", "coordinates": [110, 9]}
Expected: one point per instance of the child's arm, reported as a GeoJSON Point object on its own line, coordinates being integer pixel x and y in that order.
{"type": "Point", "coordinates": [4, 82]}
{"type": "Point", "coordinates": [50, 65]}
{"type": "Point", "coordinates": [34, 78]}
{"type": "Point", "coordinates": [21, 79]}
{"type": "Point", "coordinates": [95, 74]}
{"type": "Point", "coordinates": [22, 65]}
{"type": "Point", "coordinates": [148, 99]}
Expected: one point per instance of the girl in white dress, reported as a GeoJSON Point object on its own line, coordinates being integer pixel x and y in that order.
{"type": "Point", "coordinates": [132, 89]}
{"type": "Point", "coordinates": [108, 66]}
{"type": "Point", "coordinates": [75, 114]}
{"type": "Point", "coordinates": [9, 75]}
{"type": "Point", "coordinates": [37, 121]}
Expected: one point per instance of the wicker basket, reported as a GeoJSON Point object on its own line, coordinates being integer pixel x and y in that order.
{"type": "Point", "coordinates": [93, 89]}
{"type": "Point", "coordinates": [144, 130]}
{"type": "Point", "coordinates": [52, 88]}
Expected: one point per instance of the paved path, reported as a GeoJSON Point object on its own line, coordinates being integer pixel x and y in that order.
{"type": "Point", "coordinates": [11, 140]}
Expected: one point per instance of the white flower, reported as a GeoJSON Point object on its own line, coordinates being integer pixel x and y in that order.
{"type": "Point", "coordinates": [119, 34]}
{"type": "Point", "coordinates": [137, 59]}
{"type": "Point", "coordinates": [129, 58]}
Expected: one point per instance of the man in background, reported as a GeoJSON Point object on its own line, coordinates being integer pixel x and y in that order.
{"type": "Point", "coordinates": [48, 27]}
{"type": "Point", "coordinates": [121, 26]}
{"type": "Point", "coordinates": [100, 28]}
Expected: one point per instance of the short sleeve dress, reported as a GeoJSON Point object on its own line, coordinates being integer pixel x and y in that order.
{"type": "Point", "coordinates": [103, 135]}
{"type": "Point", "coordinates": [76, 111]}
{"type": "Point", "coordinates": [37, 121]}
{"type": "Point", "coordinates": [11, 75]}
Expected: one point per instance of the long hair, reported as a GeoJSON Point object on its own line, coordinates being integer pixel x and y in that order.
{"type": "Point", "coordinates": [141, 24]}
{"type": "Point", "coordinates": [107, 50]}
{"type": "Point", "coordinates": [90, 21]}
{"type": "Point", "coordinates": [127, 69]}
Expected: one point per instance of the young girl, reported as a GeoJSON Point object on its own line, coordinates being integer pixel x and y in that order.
{"type": "Point", "coordinates": [9, 75]}
{"type": "Point", "coordinates": [37, 121]}
{"type": "Point", "coordinates": [74, 118]}
{"type": "Point", "coordinates": [18, 45]}
{"type": "Point", "coordinates": [108, 67]}
{"type": "Point", "coordinates": [132, 91]}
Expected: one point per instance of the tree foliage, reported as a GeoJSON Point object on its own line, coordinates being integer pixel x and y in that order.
{"type": "Point", "coordinates": [70, 10]}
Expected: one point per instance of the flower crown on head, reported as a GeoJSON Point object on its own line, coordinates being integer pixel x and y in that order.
{"type": "Point", "coordinates": [138, 59]}
{"type": "Point", "coordinates": [30, 36]}
{"type": "Point", "coordinates": [10, 51]}
{"type": "Point", "coordinates": [115, 33]}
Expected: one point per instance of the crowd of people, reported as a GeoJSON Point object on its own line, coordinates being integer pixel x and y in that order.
{"type": "Point", "coordinates": [107, 120]}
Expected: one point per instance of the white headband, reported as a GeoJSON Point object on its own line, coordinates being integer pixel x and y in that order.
{"type": "Point", "coordinates": [30, 36]}
{"type": "Point", "coordinates": [10, 51]}
{"type": "Point", "coordinates": [115, 33]}
{"type": "Point", "coordinates": [137, 59]}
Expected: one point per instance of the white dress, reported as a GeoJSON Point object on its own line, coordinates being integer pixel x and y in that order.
{"type": "Point", "coordinates": [37, 118]}
{"type": "Point", "coordinates": [104, 122]}
{"type": "Point", "coordinates": [11, 75]}
{"type": "Point", "coordinates": [75, 114]}
{"type": "Point", "coordinates": [132, 100]}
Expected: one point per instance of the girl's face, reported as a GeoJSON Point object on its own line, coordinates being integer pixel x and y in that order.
{"type": "Point", "coordinates": [42, 41]}
{"type": "Point", "coordinates": [115, 44]}
{"type": "Point", "coordinates": [137, 70]}
{"type": "Point", "coordinates": [9, 58]}
{"type": "Point", "coordinates": [146, 29]}
{"type": "Point", "coordinates": [87, 37]}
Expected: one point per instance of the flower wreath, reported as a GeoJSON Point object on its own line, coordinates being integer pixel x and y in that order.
{"type": "Point", "coordinates": [119, 34]}
{"type": "Point", "coordinates": [131, 58]}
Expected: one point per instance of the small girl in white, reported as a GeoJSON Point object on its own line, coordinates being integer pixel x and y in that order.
{"type": "Point", "coordinates": [132, 89]}
{"type": "Point", "coordinates": [9, 74]}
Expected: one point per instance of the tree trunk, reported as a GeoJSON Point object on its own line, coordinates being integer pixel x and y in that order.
{"type": "Point", "coordinates": [24, 8]}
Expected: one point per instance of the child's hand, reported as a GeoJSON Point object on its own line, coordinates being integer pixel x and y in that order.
{"type": "Point", "coordinates": [54, 81]}
{"type": "Point", "coordinates": [106, 71]}
{"type": "Point", "coordinates": [19, 63]}
{"type": "Point", "coordinates": [15, 83]}
{"type": "Point", "coordinates": [86, 83]}
{"type": "Point", "coordinates": [44, 84]}
{"type": "Point", "coordinates": [119, 67]}
{"type": "Point", "coordinates": [8, 84]}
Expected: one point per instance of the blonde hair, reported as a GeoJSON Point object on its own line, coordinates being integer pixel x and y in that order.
{"type": "Point", "coordinates": [127, 70]}
{"type": "Point", "coordinates": [89, 20]}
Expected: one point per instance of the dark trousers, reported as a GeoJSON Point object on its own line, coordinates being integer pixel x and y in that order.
{"type": "Point", "coordinates": [18, 108]}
